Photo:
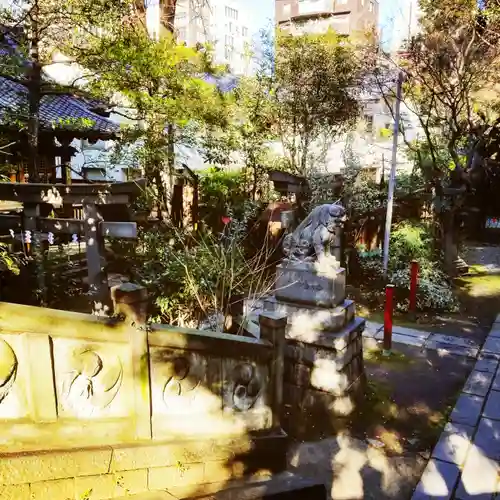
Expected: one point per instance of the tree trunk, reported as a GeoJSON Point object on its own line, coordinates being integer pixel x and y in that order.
{"type": "Point", "coordinates": [168, 14]}
{"type": "Point", "coordinates": [162, 201]}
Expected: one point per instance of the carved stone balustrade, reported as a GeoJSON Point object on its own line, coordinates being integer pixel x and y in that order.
{"type": "Point", "coordinates": [157, 406]}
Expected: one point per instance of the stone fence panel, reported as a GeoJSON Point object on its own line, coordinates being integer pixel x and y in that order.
{"type": "Point", "coordinates": [70, 379]}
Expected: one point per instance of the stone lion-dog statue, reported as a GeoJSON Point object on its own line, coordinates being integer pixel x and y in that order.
{"type": "Point", "coordinates": [312, 238]}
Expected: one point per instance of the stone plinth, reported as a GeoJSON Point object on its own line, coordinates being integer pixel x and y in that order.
{"type": "Point", "coordinates": [324, 355]}
{"type": "Point", "coordinates": [303, 283]}
{"type": "Point", "coordinates": [313, 318]}
{"type": "Point", "coordinates": [323, 381]}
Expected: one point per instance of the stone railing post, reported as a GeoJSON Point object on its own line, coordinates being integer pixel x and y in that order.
{"type": "Point", "coordinates": [273, 329]}
{"type": "Point", "coordinates": [131, 301]}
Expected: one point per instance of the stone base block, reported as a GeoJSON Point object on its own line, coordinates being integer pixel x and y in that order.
{"type": "Point", "coordinates": [303, 284]}
{"type": "Point", "coordinates": [323, 381]}
{"type": "Point", "coordinates": [135, 468]}
{"type": "Point", "coordinates": [313, 318]}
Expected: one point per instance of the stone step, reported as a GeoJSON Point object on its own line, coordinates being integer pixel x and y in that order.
{"type": "Point", "coordinates": [284, 486]}
{"type": "Point", "coordinates": [313, 318]}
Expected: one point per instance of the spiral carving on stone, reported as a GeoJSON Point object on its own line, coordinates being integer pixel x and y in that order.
{"type": "Point", "coordinates": [8, 369]}
{"type": "Point", "coordinates": [93, 382]}
{"type": "Point", "coordinates": [247, 387]}
{"type": "Point", "coordinates": [180, 386]}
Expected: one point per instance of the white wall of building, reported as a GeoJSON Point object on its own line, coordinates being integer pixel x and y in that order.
{"type": "Point", "coordinates": [228, 25]}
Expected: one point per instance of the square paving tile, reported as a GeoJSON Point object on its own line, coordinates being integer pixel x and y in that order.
{"type": "Point", "coordinates": [467, 410]}
{"type": "Point", "coordinates": [453, 446]}
{"type": "Point", "coordinates": [437, 481]}
{"type": "Point", "coordinates": [492, 406]}
{"type": "Point", "coordinates": [496, 382]}
{"type": "Point", "coordinates": [479, 477]}
{"type": "Point", "coordinates": [495, 330]}
{"type": "Point", "coordinates": [487, 438]}
{"type": "Point", "coordinates": [486, 365]}
{"type": "Point", "coordinates": [462, 429]}
{"type": "Point", "coordinates": [478, 383]}
{"type": "Point", "coordinates": [492, 345]}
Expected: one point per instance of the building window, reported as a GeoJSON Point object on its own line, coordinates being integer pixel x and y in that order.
{"type": "Point", "coordinates": [369, 124]}
{"type": "Point", "coordinates": [287, 9]}
{"type": "Point", "coordinates": [231, 13]}
{"type": "Point", "coordinates": [371, 6]}
{"type": "Point", "coordinates": [342, 2]}
{"type": "Point", "coordinates": [244, 31]}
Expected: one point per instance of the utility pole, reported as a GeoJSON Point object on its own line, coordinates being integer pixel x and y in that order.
{"type": "Point", "coordinates": [392, 177]}
{"type": "Point", "coordinates": [34, 83]}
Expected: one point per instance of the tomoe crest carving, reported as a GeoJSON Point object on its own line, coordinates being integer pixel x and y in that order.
{"type": "Point", "coordinates": [8, 369]}
{"type": "Point", "coordinates": [180, 387]}
{"type": "Point", "coordinates": [93, 382]}
{"type": "Point", "coordinates": [247, 387]}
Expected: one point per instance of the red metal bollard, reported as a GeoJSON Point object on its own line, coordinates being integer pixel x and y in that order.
{"type": "Point", "coordinates": [413, 286]}
{"type": "Point", "coordinates": [389, 294]}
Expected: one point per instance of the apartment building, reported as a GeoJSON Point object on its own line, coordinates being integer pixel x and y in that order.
{"type": "Point", "coordinates": [346, 17]}
{"type": "Point", "coordinates": [225, 24]}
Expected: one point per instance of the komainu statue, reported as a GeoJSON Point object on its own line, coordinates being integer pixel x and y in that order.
{"type": "Point", "coordinates": [315, 234]}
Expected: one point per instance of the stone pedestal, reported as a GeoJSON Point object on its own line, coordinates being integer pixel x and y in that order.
{"type": "Point", "coordinates": [324, 354]}
{"type": "Point", "coordinates": [301, 283]}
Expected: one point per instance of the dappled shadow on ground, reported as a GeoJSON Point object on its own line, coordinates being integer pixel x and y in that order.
{"type": "Point", "coordinates": [353, 470]}
{"type": "Point", "coordinates": [380, 449]}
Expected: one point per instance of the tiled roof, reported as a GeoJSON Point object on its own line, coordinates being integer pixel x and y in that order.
{"type": "Point", "coordinates": [57, 112]}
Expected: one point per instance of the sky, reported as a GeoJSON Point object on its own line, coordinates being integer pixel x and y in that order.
{"type": "Point", "coordinates": [394, 20]}
{"type": "Point", "coordinates": [261, 12]}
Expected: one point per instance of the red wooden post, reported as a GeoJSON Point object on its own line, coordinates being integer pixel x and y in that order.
{"type": "Point", "coordinates": [413, 286]}
{"type": "Point", "coordinates": [389, 293]}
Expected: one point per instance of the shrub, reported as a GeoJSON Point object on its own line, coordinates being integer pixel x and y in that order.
{"type": "Point", "coordinates": [194, 278]}
{"type": "Point", "coordinates": [412, 241]}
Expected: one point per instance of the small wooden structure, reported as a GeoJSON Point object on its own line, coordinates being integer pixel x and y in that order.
{"type": "Point", "coordinates": [93, 229]}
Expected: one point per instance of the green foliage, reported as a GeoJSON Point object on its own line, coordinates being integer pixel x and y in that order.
{"type": "Point", "coordinates": [8, 260]}
{"type": "Point", "coordinates": [222, 191]}
{"type": "Point", "coordinates": [450, 66]}
{"type": "Point", "coordinates": [414, 241]}
{"type": "Point", "coordinates": [360, 195]}
{"type": "Point", "coordinates": [312, 89]}
{"type": "Point", "coordinates": [409, 242]}
{"type": "Point", "coordinates": [193, 278]}
{"type": "Point", "coordinates": [160, 85]}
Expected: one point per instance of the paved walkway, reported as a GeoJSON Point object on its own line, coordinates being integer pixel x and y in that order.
{"type": "Point", "coordinates": [445, 344]}
{"type": "Point", "coordinates": [465, 463]}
